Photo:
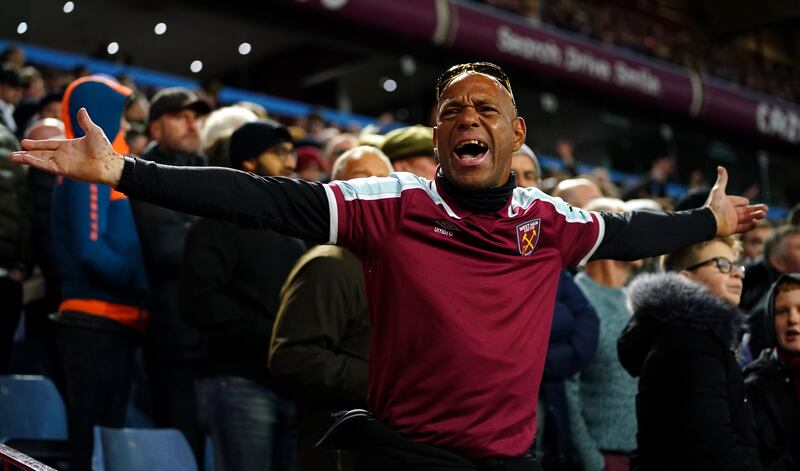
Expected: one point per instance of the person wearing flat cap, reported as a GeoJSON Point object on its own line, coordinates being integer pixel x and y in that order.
{"type": "Point", "coordinates": [410, 149]}
{"type": "Point", "coordinates": [230, 291]}
{"type": "Point", "coordinates": [172, 350]}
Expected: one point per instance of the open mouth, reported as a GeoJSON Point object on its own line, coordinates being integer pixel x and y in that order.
{"type": "Point", "coordinates": [470, 151]}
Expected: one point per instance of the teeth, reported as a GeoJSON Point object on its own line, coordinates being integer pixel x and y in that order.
{"type": "Point", "coordinates": [471, 141]}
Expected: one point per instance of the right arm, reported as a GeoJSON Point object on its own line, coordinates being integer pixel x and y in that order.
{"type": "Point", "coordinates": [292, 207]}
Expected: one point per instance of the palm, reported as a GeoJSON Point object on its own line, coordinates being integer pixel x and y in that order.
{"type": "Point", "coordinates": [733, 214]}
{"type": "Point", "coordinates": [89, 158]}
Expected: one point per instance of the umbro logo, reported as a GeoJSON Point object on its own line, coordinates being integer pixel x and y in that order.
{"type": "Point", "coordinates": [447, 225]}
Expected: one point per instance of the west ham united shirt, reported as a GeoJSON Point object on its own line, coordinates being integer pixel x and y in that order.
{"type": "Point", "coordinates": [460, 303]}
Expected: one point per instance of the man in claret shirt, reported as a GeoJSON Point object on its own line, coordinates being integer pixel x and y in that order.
{"type": "Point", "coordinates": [460, 271]}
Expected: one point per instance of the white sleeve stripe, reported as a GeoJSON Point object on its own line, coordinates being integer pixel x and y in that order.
{"type": "Point", "coordinates": [334, 215]}
{"type": "Point", "coordinates": [601, 232]}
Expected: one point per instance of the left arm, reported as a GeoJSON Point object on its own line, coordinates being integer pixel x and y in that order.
{"type": "Point", "coordinates": [641, 234]}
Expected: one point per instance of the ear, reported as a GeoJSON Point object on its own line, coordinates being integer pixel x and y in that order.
{"type": "Point", "coordinates": [249, 165]}
{"type": "Point", "coordinates": [520, 131]}
{"type": "Point", "coordinates": [154, 129]}
{"type": "Point", "coordinates": [400, 166]}
{"type": "Point", "coordinates": [777, 263]}
{"type": "Point", "coordinates": [687, 274]}
{"type": "Point", "coordinates": [435, 143]}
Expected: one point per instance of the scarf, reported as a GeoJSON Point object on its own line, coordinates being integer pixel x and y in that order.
{"type": "Point", "coordinates": [479, 201]}
{"type": "Point", "coordinates": [792, 363]}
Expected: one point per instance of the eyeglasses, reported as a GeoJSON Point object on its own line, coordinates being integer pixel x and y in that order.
{"type": "Point", "coordinates": [723, 265]}
{"type": "Point", "coordinates": [486, 68]}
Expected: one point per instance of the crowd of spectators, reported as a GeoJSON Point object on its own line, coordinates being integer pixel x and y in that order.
{"type": "Point", "coordinates": [679, 41]}
{"type": "Point", "coordinates": [211, 304]}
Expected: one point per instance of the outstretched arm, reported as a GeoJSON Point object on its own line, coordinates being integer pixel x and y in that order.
{"type": "Point", "coordinates": [640, 234]}
{"type": "Point", "coordinates": [288, 206]}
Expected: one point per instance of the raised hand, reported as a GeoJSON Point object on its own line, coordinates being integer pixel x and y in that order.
{"type": "Point", "coordinates": [89, 158]}
{"type": "Point", "coordinates": [734, 214]}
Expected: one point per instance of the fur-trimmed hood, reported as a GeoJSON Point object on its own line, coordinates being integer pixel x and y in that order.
{"type": "Point", "coordinates": [670, 300]}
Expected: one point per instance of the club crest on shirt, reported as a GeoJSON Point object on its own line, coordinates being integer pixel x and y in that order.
{"type": "Point", "coordinates": [528, 236]}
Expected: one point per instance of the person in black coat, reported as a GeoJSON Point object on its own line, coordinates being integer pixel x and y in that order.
{"type": "Point", "coordinates": [773, 380]}
{"type": "Point", "coordinates": [691, 406]}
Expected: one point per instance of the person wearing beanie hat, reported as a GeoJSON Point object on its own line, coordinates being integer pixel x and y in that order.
{"type": "Point", "coordinates": [230, 286]}
{"type": "Point", "coordinates": [773, 380]}
{"type": "Point", "coordinates": [263, 147]}
{"type": "Point", "coordinates": [411, 150]}
{"type": "Point", "coordinates": [310, 165]}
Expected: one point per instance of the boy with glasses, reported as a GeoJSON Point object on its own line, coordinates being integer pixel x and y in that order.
{"type": "Point", "coordinates": [691, 407]}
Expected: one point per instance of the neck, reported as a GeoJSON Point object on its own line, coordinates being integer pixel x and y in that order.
{"type": "Point", "coordinates": [482, 200]}
{"type": "Point", "coordinates": [609, 273]}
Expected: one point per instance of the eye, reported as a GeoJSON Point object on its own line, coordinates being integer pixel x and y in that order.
{"type": "Point", "coordinates": [487, 109]}
{"type": "Point", "coordinates": [449, 113]}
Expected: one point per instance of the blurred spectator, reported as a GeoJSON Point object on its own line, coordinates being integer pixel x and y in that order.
{"type": "Point", "coordinates": [14, 56]}
{"type": "Point", "coordinates": [258, 110]}
{"type": "Point", "coordinates": [691, 407]}
{"type": "Point", "coordinates": [411, 150]}
{"type": "Point", "coordinates": [655, 184]}
{"type": "Point", "coordinates": [310, 166]}
{"type": "Point", "coordinates": [602, 397]}
{"type": "Point", "coordinates": [41, 186]}
{"type": "Point", "coordinates": [320, 342]}
{"type": "Point", "coordinates": [103, 279]}
{"type": "Point", "coordinates": [603, 179]}
{"type": "Point", "coordinates": [781, 255]}
{"type": "Point", "coordinates": [337, 146]}
{"type": "Point", "coordinates": [32, 93]}
{"type": "Point", "coordinates": [230, 289]}
{"type": "Point", "coordinates": [11, 88]}
{"type": "Point", "coordinates": [753, 242]}
{"type": "Point", "coordinates": [773, 380]}
{"type": "Point", "coordinates": [525, 164]}
{"type": "Point", "coordinates": [16, 246]}
{"type": "Point", "coordinates": [217, 131]}
{"type": "Point", "coordinates": [137, 109]}
{"type": "Point", "coordinates": [565, 149]}
{"type": "Point", "coordinates": [50, 106]}
{"type": "Point", "coordinates": [137, 139]}
{"type": "Point", "coordinates": [173, 350]}
{"type": "Point", "coordinates": [794, 215]}
{"type": "Point", "coordinates": [577, 191]}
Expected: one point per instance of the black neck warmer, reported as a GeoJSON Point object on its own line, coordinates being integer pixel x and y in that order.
{"type": "Point", "coordinates": [479, 201]}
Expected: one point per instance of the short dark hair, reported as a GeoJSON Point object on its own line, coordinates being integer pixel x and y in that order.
{"type": "Point", "coordinates": [486, 68]}
{"type": "Point", "coordinates": [773, 245]}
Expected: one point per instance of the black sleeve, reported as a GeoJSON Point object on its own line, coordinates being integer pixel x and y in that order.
{"type": "Point", "coordinates": [292, 207]}
{"type": "Point", "coordinates": [635, 235]}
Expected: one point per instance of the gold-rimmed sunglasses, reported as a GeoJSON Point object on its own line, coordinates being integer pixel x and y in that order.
{"type": "Point", "coordinates": [486, 68]}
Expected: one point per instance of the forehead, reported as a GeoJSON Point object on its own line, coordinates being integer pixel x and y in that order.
{"type": "Point", "coordinates": [472, 85]}
{"type": "Point", "coordinates": [713, 249]}
{"type": "Point", "coordinates": [786, 298]}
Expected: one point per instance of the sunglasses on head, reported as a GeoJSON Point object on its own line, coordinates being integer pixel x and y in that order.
{"type": "Point", "coordinates": [486, 68]}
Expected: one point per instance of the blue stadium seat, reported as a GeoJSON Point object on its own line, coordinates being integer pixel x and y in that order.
{"type": "Point", "coordinates": [31, 407]}
{"type": "Point", "coordinates": [131, 449]}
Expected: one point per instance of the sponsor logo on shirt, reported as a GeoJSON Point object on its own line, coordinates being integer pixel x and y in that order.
{"type": "Point", "coordinates": [528, 236]}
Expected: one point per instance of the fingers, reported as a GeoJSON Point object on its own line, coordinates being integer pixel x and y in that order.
{"type": "Point", "coordinates": [722, 179]}
{"type": "Point", "coordinates": [84, 121]}
{"type": "Point", "coordinates": [47, 144]}
{"type": "Point", "coordinates": [42, 160]}
{"type": "Point", "coordinates": [738, 200]}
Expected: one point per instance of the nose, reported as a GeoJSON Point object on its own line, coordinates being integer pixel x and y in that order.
{"type": "Point", "coordinates": [468, 118]}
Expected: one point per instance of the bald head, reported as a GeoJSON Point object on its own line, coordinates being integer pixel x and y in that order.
{"type": "Point", "coordinates": [361, 162]}
{"type": "Point", "coordinates": [48, 128]}
{"type": "Point", "coordinates": [577, 191]}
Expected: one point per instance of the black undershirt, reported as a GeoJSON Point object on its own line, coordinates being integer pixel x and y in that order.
{"type": "Point", "coordinates": [300, 209]}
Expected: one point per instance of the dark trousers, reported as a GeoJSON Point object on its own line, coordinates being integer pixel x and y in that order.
{"type": "Point", "coordinates": [97, 368]}
{"type": "Point", "coordinates": [171, 381]}
{"type": "Point", "coordinates": [380, 448]}
{"type": "Point", "coordinates": [10, 312]}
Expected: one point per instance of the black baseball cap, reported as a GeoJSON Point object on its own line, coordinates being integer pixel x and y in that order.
{"type": "Point", "coordinates": [176, 99]}
{"type": "Point", "coordinates": [251, 139]}
{"type": "Point", "coordinates": [10, 75]}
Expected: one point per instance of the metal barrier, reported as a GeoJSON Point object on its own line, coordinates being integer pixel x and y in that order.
{"type": "Point", "coordinates": [13, 459]}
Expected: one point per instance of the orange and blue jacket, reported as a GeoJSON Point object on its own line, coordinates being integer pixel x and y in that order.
{"type": "Point", "coordinates": [94, 236]}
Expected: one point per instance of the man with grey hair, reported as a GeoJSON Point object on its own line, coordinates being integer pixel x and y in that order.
{"type": "Point", "coordinates": [320, 340]}
{"type": "Point", "coordinates": [360, 162]}
{"type": "Point", "coordinates": [525, 164]}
